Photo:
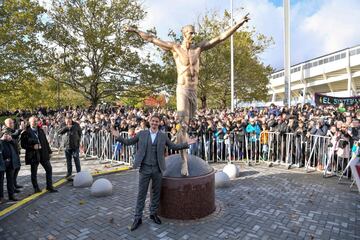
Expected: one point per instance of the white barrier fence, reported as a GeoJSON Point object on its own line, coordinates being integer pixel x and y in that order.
{"type": "Point", "coordinates": [312, 152]}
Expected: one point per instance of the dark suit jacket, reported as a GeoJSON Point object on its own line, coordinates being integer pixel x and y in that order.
{"type": "Point", "coordinates": [28, 140]}
{"type": "Point", "coordinates": [144, 147]}
{"type": "Point", "coordinates": [72, 136]}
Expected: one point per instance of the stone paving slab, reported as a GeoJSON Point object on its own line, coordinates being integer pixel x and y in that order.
{"type": "Point", "coordinates": [58, 163]}
{"type": "Point", "coordinates": [264, 203]}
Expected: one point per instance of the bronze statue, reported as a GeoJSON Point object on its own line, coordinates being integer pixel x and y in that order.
{"type": "Point", "coordinates": [187, 58]}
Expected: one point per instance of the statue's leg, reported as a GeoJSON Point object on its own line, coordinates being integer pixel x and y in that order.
{"type": "Point", "coordinates": [182, 104]}
{"type": "Point", "coordinates": [183, 153]}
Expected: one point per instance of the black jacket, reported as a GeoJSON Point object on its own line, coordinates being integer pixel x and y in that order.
{"type": "Point", "coordinates": [15, 135]}
{"type": "Point", "coordinates": [2, 163]}
{"type": "Point", "coordinates": [10, 152]}
{"type": "Point", "coordinates": [72, 136]}
{"type": "Point", "coordinates": [28, 140]}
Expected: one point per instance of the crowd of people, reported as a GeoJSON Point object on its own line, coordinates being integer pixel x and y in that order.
{"type": "Point", "coordinates": [244, 133]}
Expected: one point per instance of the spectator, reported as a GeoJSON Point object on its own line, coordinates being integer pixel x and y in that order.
{"type": "Point", "coordinates": [9, 161]}
{"type": "Point", "coordinates": [72, 136]}
{"type": "Point", "coordinates": [15, 135]}
{"type": "Point", "coordinates": [37, 151]}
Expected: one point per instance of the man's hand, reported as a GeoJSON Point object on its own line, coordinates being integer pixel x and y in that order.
{"type": "Point", "coordinates": [114, 132]}
{"type": "Point", "coordinates": [37, 146]}
{"type": "Point", "coordinates": [192, 140]}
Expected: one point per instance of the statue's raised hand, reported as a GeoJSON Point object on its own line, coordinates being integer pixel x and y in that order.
{"type": "Point", "coordinates": [246, 18]}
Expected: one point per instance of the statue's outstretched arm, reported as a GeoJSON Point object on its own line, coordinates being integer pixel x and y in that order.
{"type": "Point", "coordinates": [150, 38]}
{"type": "Point", "coordinates": [205, 45]}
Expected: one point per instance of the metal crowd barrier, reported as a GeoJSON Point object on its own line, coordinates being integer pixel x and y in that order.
{"type": "Point", "coordinates": [312, 152]}
{"type": "Point", "coordinates": [55, 140]}
{"type": "Point", "coordinates": [102, 145]}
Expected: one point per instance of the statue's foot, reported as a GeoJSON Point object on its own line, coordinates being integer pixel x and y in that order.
{"type": "Point", "coordinates": [184, 169]}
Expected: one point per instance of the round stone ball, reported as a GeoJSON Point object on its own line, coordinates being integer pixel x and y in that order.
{"type": "Point", "coordinates": [231, 170]}
{"type": "Point", "coordinates": [101, 188]}
{"type": "Point", "coordinates": [221, 180]}
{"type": "Point", "coordinates": [83, 179]}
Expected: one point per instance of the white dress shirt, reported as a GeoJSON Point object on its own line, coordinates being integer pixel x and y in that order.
{"type": "Point", "coordinates": [153, 135]}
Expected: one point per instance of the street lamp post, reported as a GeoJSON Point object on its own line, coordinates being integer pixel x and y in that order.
{"type": "Point", "coordinates": [287, 72]}
{"type": "Point", "coordinates": [232, 59]}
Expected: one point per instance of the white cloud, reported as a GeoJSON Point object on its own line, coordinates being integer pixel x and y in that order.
{"type": "Point", "coordinates": [334, 26]}
{"type": "Point", "coordinates": [318, 27]}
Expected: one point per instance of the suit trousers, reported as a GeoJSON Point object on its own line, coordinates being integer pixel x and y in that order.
{"type": "Point", "coordinates": [48, 169]}
{"type": "Point", "coordinates": [9, 182]}
{"type": "Point", "coordinates": [147, 173]}
{"type": "Point", "coordinates": [16, 172]}
{"type": "Point", "coordinates": [69, 154]}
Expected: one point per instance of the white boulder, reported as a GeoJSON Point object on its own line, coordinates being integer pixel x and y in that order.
{"type": "Point", "coordinates": [231, 170]}
{"type": "Point", "coordinates": [221, 180]}
{"type": "Point", "coordinates": [101, 188]}
{"type": "Point", "coordinates": [83, 179]}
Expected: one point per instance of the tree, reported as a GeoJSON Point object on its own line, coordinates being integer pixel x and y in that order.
{"type": "Point", "coordinates": [89, 50]}
{"type": "Point", "coordinates": [20, 24]}
{"type": "Point", "coordinates": [33, 93]}
{"type": "Point", "coordinates": [250, 75]}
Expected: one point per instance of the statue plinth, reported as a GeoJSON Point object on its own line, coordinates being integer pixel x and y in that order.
{"type": "Point", "coordinates": [190, 197]}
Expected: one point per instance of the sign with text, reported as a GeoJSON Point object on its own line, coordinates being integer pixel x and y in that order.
{"type": "Point", "coordinates": [321, 99]}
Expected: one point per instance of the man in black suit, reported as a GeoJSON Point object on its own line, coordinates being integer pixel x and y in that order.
{"type": "Point", "coordinates": [150, 158]}
{"type": "Point", "coordinates": [72, 132]}
{"type": "Point", "coordinates": [37, 151]}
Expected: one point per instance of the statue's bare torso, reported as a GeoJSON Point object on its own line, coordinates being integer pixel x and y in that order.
{"type": "Point", "coordinates": [187, 65]}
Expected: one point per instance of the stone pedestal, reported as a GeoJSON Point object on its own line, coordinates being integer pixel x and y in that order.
{"type": "Point", "coordinates": [191, 197]}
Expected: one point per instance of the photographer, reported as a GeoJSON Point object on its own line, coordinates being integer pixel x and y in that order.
{"type": "Point", "coordinates": [320, 128]}
{"type": "Point", "coordinates": [343, 151]}
{"type": "Point", "coordinates": [72, 136]}
{"type": "Point", "coordinates": [9, 161]}
{"type": "Point", "coordinates": [15, 137]}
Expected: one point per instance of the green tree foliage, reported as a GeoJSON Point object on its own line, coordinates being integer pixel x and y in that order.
{"type": "Point", "coordinates": [91, 52]}
{"type": "Point", "coordinates": [250, 75]}
{"type": "Point", "coordinates": [20, 24]}
{"type": "Point", "coordinates": [33, 93]}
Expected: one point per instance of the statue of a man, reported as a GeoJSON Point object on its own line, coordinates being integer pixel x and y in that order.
{"type": "Point", "coordinates": [187, 59]}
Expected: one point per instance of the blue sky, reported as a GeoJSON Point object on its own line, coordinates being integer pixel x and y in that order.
{"type": "Point", "coordinates": [318, 27]}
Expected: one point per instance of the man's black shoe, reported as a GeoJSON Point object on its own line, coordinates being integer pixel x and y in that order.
{"type": "Point", "coordinates": [37, 190]}
{"type": "Point", "coordinates": [155, 218]}
{"type": "Point", "coordinates": [18, 186]}
{"type": "Point", "coordinates": [12, 198]}
{"type": "Point", "coordinates": [137, 222]}
{"type": "Point", "coordinates": [52, 190]}
{"type": "Point", "coordinates": [16, 190]}
{"type": "Point", "coordinates": [69, 178]}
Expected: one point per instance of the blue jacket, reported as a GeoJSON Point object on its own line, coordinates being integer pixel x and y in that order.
{"type": "Point", "coordinates": [251, 129]}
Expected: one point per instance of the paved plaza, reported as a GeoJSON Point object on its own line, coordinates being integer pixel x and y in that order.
{"type": "Point", "coordinates": [263, 203]}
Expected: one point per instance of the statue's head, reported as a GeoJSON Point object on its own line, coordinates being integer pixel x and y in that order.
{"type": "Point", "coordinates": [188, 32]}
